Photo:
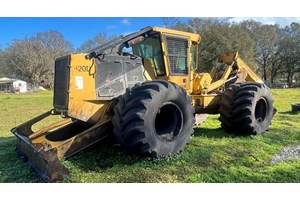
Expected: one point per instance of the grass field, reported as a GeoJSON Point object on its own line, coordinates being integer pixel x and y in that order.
{"type": "Point", "coordinates": [212, 156]}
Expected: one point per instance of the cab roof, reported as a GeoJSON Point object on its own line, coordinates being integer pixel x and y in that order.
{"type": "Point", "coordinates": [193, 37]}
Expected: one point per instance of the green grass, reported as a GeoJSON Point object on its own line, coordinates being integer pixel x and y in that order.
{"type": "Point", "coordinates": [212, 156]}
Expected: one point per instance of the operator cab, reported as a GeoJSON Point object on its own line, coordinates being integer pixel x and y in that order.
{"type": "Point", "coordinates": [167, 54]}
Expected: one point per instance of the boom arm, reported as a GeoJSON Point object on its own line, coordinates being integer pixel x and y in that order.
{"type": "Point", "coordinates": [232, 58]}
{"type": "Point", "coordinates": [234, 64]}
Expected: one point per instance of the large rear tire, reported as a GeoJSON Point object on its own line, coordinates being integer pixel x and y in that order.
{"type": "Point", "coordinates": [154, 118]}
{"type": "Point", "coordinates": [246, 109]}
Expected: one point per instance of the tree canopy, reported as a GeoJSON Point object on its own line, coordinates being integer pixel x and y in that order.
{"type": "Point", "coordinates": [271, 50]}
{"type": "Point", "coordinates": [32, 58]}
{"type": "Point", "coordinates": [99, 39]}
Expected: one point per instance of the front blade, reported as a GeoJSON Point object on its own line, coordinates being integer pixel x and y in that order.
{"type": "Point", "coordinates": [45, 163]}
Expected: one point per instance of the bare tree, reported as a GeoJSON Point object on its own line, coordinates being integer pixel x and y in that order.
{"type": "Point", "coordinates": [3, 67]}
{"type": "Point", "coordinates": [55, 46]}
{"type": "Point", "coordinates": [55, 43]}
{"type": "Point", "coordinates": [99, 39]}
{"type": "Point", "coordinates": [26, 58]}
{"type": "Point", "coordinates": [169, 22]}
{"type": "Point", "coordinates": [32, 58]}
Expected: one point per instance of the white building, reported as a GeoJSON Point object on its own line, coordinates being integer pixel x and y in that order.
{"type": "Point", "coordinates": [20, 86]}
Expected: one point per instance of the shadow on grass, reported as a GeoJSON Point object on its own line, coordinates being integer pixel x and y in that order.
{"type": "Point", "coordinates": [213, 133]}
{"type": "Point", "coordinates": [102, 156]}
{"type": "Point", "coordinates": [97, 158]}
{"type": "Point", "coordinates": [290, 113]}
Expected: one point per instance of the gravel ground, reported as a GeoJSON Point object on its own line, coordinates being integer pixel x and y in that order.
{"type": "Point", "coordinates": [290, 152]}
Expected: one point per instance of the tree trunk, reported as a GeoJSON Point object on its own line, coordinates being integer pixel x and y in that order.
{"type": "Point", "coordinates": [272, 79]}
{"type": "Point", "coordinates": [288, 80]}
{"type": "Point", "coordinates": [274, 71]}
{"type": "Point", "coordinates": [35, 87]}
{"type": "Point", "coordinates": [291, 79]}
{"type": "Point", "coordinates": [265, 70]}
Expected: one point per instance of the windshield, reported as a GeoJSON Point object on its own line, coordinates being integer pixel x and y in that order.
{"type": "Point", "coordinates": [150, 49]}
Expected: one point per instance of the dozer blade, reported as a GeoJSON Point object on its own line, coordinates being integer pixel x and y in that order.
{"type": "Point", "coordinates": [43, 149]}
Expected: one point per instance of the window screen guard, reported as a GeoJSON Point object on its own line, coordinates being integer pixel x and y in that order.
{"type": "Point", "coordinates": [177, 55]}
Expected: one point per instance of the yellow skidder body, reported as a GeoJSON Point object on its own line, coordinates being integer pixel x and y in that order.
{"type": "Point", "coordinates": [145, 89]}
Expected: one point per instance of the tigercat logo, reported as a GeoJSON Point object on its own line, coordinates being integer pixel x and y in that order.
{"type": "Point", "coordinates": [82, 68]}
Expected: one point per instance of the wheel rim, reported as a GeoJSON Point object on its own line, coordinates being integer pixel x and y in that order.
{"type": "Point", "coordinates": [168, 122]}
{"type": "Point", "coordinates": [261, 109]}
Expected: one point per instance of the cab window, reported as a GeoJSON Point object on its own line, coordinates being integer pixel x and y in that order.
{"type": "Point", "coordinates": [150, 49]}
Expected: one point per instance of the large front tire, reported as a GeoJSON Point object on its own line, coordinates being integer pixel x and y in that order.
{"type": "Point", "coordinates": [246, 108]}
{"type": "Point", "coordinates": [154, 118]}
